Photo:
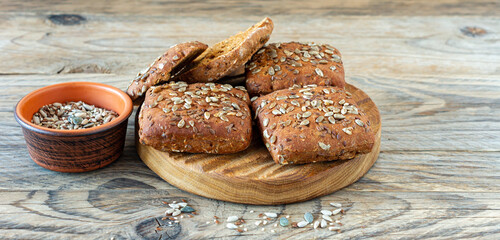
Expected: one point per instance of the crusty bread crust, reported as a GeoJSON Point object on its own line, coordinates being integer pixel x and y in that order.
{"type": "Point", "coordinates": [282, 65]}
{"type": "Point", "coordinates": [196, 118]}
{"type": "Point", "coordinates": [312, 124]}
{"type": "Point", "coordinates": [164, 67]}
{"type": "Point", "coordinates": [227, 56]}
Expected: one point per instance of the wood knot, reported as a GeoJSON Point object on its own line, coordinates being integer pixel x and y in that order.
{"type": "Point", "coordinates": [158, 228]}
{"type": "Point", "coordinates": [84, 68]}
{"type": "Point", "coordinates": [473, 31]}
{"type": "Point", "coordinates": [67, 19]}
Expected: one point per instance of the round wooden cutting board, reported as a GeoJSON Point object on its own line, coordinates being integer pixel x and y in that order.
{"type": "Point", "coordinates": [252, 177]}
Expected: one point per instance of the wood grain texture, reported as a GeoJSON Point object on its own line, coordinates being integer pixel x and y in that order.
{"type": "Point", "coordinates": [435, 83]}
{"type": "Point", "coordinates": [233, 8]}
{"type": "Point", "coordinates": [252, 177]}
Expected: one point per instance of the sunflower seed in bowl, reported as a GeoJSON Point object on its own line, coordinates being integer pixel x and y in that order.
{"type": "Point", "coordinates": [72, 115]}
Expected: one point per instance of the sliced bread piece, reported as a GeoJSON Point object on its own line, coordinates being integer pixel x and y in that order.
{"type": "Point", "coordinates": [227, 56]}
{"type": "Point", "coordinates": [165, 66]}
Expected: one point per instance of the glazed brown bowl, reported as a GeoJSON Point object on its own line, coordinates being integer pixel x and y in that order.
{"type": "Point", "coordinates": [77, 150]}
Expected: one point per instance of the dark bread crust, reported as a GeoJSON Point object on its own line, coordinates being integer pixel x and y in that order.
{"type": "Point", "coordinates": [227, 56]}
{"type": "Point", "coordinates": [164, 67]}
{"type": "Point", "coordinates": [293, 63]}
{"type": "Point", "coordinates": [177, 117]}
{"type": "Point", "coordinates": [292, 140]}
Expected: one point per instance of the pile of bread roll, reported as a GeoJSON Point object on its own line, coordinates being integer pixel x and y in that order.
{"type": "Point", "coordinates": [294, 92]}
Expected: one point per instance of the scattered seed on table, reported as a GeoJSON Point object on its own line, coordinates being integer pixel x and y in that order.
{"type": "Point", "coordinates": [231, 226]}
{"type": "Point", "coordinates": [328, 218]}
{"type": "Point", "coordinates": [187, 209]}
{"type": "Point", "coordinates": [336, 211]}
{"type": "Point", "coordinates": [334, 228]}
{"type": "Point", "coordinates": [169, 211]}
{"type": "Point", "coordinates": [323, 223]}
{"type": "Point", "coordinates": [284, 222]}
{"type": "Point", "coordinates": [326, 212]}
{"type": "Point", "coordinates": [176, 212]}
{"type": "Point", "coordinates": [232, 219]}
{"type": "Point", "coordinates": [302, 224]}
{"type": "Point", "coordinates": [271, 215]}
{"type": "Point", "coordinates": [308, 217]}
{"type": "Point", "coordinates": [337, 205]}
{"type": "Point", "coordinates": [316, 224]}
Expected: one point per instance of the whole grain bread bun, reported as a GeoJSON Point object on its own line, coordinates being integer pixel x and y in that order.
{"type": "Point", "coordinates": [282, 65]}
{"type": "Point", "coordinates": [196, 118]}
{"type": "Point", "coordinates": [227, 56]}
{"type": "Point", "coordinates": [164, 67]}
{"type": "Point", "coordinates": [312, 124]}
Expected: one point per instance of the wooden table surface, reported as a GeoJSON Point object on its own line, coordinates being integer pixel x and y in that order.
{"type": "Point", "coordinates": [432, 68]}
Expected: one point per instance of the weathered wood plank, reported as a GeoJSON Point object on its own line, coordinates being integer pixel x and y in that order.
{"type": "Point", "coordinates": [117, 211]}
{"type": "Point", "coordinates": [232, 8]}
{"type": "Point", "coordinates": [370, 45]}
{"type": "Point", "coordinates": [435, 81]}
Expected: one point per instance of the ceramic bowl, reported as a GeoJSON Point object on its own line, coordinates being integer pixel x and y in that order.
{"type": "Point", "coordinates": [78, 150]}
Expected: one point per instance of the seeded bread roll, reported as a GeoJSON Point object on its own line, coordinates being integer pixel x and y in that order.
{"type": "Point", "coordinates": [196, 118]}
{"type": "Point", "coordinates": [282, 65]}
{"type": "Point", "coordinates": [164, 67]}
{"type": "Point", "coordinates": [312, 124]}
{"type": "Point", "coordinates": [227, 56]}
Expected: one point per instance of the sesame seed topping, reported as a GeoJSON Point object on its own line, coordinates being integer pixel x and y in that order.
{"type": "Point", "coordinates": [304, 123]}
{"type": "Point", "coordinates": [359, 122]}
{"type": "Point", "coordinates": [323, 146]}
{"type": "Point", "coordinates": [255, 71]}
{"type": "Point", "coordinates": [338, 116]}
{"type": "Point", "coordinates": [336, 58]}
{"type": "Point", "coordinates": [281, 98]}
{"type": "Point", "coordinates": [181, 123]}
{"type": "Point", "coordinates": [347, 130]}
{"type": "Point", "coordinates": [265, 133]}
{"type": "Point", "coordinates": [331, 120]}
{"type": "Point", "coordinates": [265, 122]}
{"type": "Point", "coordinates": [319, 72]}
{"type": "Point", "coordinates": [271, 105]}
{"type": "Point", "coordinates": [271, 71]}
{"type": "Point", "coordinates": [272, 139]}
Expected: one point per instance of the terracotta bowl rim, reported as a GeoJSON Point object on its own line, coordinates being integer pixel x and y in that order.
{"type": "Point", "coordinates": [78, 132]}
